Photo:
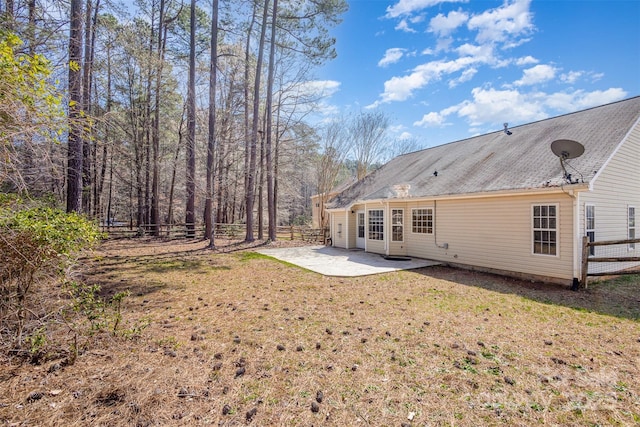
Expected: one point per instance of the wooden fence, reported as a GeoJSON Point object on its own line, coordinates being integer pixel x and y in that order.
{"type": "Point", "coordinates": [223, 231]}
{"type": "Point", "coordinates": [586, 259]}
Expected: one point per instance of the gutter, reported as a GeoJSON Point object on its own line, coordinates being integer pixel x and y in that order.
{"type": "Point", "coordinates": [482, 195]}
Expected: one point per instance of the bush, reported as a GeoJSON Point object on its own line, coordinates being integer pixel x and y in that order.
{"type": "Point", "coordinates": [36, 244]}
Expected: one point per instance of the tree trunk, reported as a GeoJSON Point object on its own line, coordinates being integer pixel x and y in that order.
{"type": "Point", "coordinates": [223, 163]}
{"type": "Point", "coordinates": [110, 196]}
{"type": "Point", "coordinates": [211, 143]}
{"type": "Point", "coordinates": [247, 138]}
{"type": "Point", "coordinates": [260, 188]}
{"type": "Point", "coordinates": [74, 154]}
{"type": "Point", "coordinates": [9, 14]}
{"type": "Point", "coordinates": [174, 171]}
{"type": "Point", "coordinates": [155, 178]}
{"type": "Point", "coordinates": [190, 217]}
{"type": "Point", "coordinates": [271, 210]}
{"type": "Point", "coordinates": [100, 184]}
{"type": "Point", "coordinates": [86, 108]}
{"type": "Point", "coordinates": [254, 128]}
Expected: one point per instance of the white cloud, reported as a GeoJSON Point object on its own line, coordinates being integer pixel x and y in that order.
{"type": "Point", "coordinates": [391, 56]}
{"type": "Point", "coordinates": [464, 77]}
{"type": "Point", "coordinates": [504, 23]}
{"type": "Point", "coordinates": [481, 53]}
{"type": "Point", "coordinates": [432, 119]}
{"type": "Point", "coordinates": [526, 60]}
{"type": "Point", "coordinates": [571, 77]}
{"type": "Point", "coordinates": [404, 26]}
{"type": "Point", "coordinates": [402, 88]}
{"type": "Point", "coordinates": [444, 44]}
{"type": "Point", "coordinates": [445, 25]}
{"type": "Point", "coordinates": [408, 7]}
{"type": "Point", "coordinates": [490, 106]}
{"type": "Point", "coordinates": [538, 74]}
{"type": "Point", "coordinates": [405, 135]}
{"type": "Point", "coordinates": [596, 76]}
{"type": "Point", "coordinates": [579, 100]}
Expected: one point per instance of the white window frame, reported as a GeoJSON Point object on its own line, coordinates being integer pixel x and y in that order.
{"type": "Point", "coordinates": [397, 226]}
{"type": "Point", "coordinates": [631, 226]}
{"type": "Point", "coordinates": [375, 225]}
{"type": "Point", "coordinates": [429, 221]}
{"type": "Point", "coordinates": [543, 225]}
{"type": "Point", "coordinates": [590, 226]}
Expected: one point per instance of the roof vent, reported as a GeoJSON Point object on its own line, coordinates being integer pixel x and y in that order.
{"type": "Point", "coordinates": [506, 129]}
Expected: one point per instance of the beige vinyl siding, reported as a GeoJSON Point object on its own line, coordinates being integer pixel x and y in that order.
{"type": "Point", "coordinates": [614, 191]}
{"type": "Point", "coordinates": [339, 239]}
{"type": "Point", "coordinates": [353, 226]}
{"type": "Point", "coordinates": [420, 245]}
{"type": "Point", "coordinates": [496, 233]}
{"type": "Point", "coordinates": [376, 246]}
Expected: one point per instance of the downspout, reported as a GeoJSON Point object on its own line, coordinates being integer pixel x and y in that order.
{"type": "Point", "coordinates": [577, 241]}
{"type": "Point", "coordinates": [435, 228]}
{"type": "Point", "coordinates": [366, 227]}
{"type": "Point", "coordinates": [346, 228]}
{"type": "Point", "coordinates": [332, 228]}
{"type": "Point", "coordinates": [386, 227]}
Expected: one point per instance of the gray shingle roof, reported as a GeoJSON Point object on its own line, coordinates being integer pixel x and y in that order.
{"type": "Point", "coordinates": [501, 162]}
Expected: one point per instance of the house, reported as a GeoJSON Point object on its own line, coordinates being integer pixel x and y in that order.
{"type": "Point", "coordinates": [504, 202]}
{"type": "Point", "coordinates": [318, 202]}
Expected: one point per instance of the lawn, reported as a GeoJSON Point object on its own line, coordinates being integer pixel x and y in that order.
{"type": "Point", "coordinates": [231, 337]}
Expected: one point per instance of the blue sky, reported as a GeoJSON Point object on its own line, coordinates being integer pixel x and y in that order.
{"type": "Point", "coordinates": [447, 70]}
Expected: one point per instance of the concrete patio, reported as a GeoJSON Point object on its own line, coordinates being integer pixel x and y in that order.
{"type": "Point", "coordinates": [330, 261]}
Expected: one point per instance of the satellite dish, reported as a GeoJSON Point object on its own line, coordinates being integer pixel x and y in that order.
{"type": "Point", "coordinates": [567, 149]}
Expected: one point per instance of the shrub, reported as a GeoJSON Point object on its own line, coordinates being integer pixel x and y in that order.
{"type": "Point", "coordinates": [36, 244]}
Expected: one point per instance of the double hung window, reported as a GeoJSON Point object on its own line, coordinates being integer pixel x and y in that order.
{"type": "Point", "coordinates": [590, 226]}
{"type": "Point", "coordinates": [422, 221]}
{"type": "Point", "coordinates": [631, 226]}
{"type": "Point", "coordinates": [376, 224]}
{"type": "Point", "coordinates": [397, 225]}
{"type": "Point", "coordinates": [545, 234]}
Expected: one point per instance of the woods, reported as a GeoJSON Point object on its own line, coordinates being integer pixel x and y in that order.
{"type": "Point", "coordinates": [168, 112]}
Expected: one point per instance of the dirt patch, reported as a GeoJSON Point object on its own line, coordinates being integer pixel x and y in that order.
{"type": "Point", "coordinates": [230, 337]}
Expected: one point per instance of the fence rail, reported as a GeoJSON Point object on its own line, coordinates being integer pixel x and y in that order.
{"type": "Point", "coordinates": [586, 259]}
{"type": "Point", "coordinates": [229, 231]}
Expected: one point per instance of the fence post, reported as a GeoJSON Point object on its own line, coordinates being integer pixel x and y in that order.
{"type": "Point", "coordinates": [585, 262]}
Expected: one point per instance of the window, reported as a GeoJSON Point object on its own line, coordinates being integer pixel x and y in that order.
{"type": "Point", "coordinates": [340, 230]}
{"type": "Point", "coordinates": [590, 226]}
{"type": "Point", "coordinates": [544, 229]}
{"type": "Point", "coordinates": [632, 226]}
{"type": "Point", "coordinates": [397, 225]}
{"type": "Point", "coordinates": [422, 221]}
{"type": "Point", "coordinates": [361, 225]}
{"type": "Point", "coordinates": [376, 224]}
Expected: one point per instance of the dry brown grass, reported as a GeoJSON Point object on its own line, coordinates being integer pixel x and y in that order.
{"type": "Point", "coordinates": [235, 338]}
